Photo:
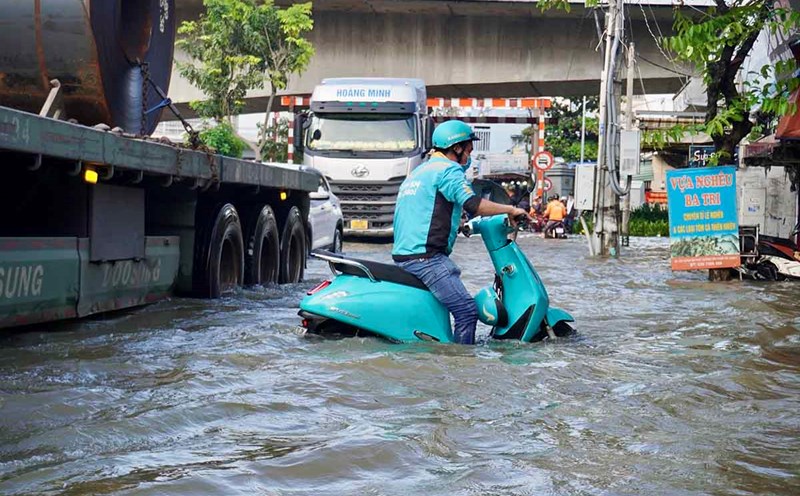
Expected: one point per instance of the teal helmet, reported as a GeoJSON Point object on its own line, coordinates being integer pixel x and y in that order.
{"type": "Point", "coordinates": [451, 133]}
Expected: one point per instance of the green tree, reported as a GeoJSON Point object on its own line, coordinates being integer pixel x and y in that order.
{"type": "Point", "coordinates": [563, 137]}
{"type": "Point", "coordinates": [283, 50]}
{"type": "Point", "coordinates": [275, 148]}
{"type": "Point", "coordinates": [563, 132]}
{"type": "Point", "coordinates": [239, 45]}
{"type": "Point", "coordinates": [222, 67]}
{"type": "Point", "coordinates": [718, 42]}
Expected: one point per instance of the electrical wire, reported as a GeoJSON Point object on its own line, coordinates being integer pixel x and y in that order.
{"type": "Point", "coordinates": [655, 38]}
{"type": "Point", "coordinates": [666, 68]}
{"type": "Point", "coordinates": [612, 126]}
{"type": "Point", "coordinates": [641, 82]}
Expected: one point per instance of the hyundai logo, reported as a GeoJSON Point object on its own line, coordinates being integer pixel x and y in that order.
{"type": "Point", "coordinates": [360, 171]}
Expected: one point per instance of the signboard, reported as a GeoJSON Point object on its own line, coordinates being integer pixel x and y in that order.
{"type": "Point", "coordinates": [502, 163]}
{"type": "Point", "coordinates": [703, 223]}
{"type": "Point", "coordinates": [543, 160]}
{"type": "Point", "coordinates": [547, 184]}
{"type": "Point", "coordinates": [699, 155]}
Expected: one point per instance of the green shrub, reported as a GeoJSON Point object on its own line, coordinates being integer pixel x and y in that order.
{"type": "Point", "coordinates": [650, 213]}
{"type": "Point", "coordinates": [223, 140]}
{"type": "Point", "coordinates": [648, 222]}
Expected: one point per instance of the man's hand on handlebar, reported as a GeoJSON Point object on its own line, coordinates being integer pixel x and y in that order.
{"type": "Point", "coordinates": [518, 215]}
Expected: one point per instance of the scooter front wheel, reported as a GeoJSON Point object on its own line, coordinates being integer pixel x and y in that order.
{"type": "Point", "coordinates": [329, 327]}
{"type": "Point", "coordinates": [561, 329]}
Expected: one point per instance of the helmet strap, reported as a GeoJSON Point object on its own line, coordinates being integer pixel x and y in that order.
{"type": "Point", "coordinates": [459, 155]}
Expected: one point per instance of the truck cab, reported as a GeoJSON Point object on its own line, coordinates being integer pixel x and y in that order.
{"type": "Point", "coordinates": [365, 135]}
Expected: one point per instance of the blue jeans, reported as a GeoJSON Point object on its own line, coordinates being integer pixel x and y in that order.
{"type": "Point", "coordinates": [442, 277]}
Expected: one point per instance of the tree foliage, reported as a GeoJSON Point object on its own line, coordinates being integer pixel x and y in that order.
{"type": "Point", "coordinates": [283, 49]}
{"type": "Point", "coordinates": [239, 45]}
{"type": "Point", "coordinates": [718, 42]}
{"type": "Point", "coordinates": [563, 138]}
{"type": "Point", "coordinates": [563, 132]}
{"type": "Point", "coordinates": [222, 66]}
{"type": "Point", "coordinates": [275, 147]}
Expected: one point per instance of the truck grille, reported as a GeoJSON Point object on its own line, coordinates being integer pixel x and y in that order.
{"type": "Point", "coordinates": [371, 201]}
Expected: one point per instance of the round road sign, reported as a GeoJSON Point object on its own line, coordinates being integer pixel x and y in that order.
{"type": "Point", "coordinates": [548, 184]}
{"type": "Point", "coordinates": [543, 160]}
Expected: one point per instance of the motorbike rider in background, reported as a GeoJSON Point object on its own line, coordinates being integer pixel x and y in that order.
{"type": "Point", "coordinates": [554, 213]}
{"type": "Point", "coordinates": [427, 217]}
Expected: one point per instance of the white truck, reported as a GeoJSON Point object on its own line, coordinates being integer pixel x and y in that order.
{"type": "Point", "coordinates": [366, 135]}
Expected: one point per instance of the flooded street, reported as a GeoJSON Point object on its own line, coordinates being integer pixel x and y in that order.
{"type": "Point", "coordinates": [672, 385]}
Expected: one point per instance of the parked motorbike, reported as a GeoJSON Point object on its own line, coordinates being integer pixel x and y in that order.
{"type": "Point", "coordinates": [537, 223]}
{"type": "Point", "coordinates": [372, 298]}
{"type": "Point", "coordinates": [769, 257]}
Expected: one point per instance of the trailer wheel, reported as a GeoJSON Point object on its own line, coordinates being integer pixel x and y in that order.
{"type": "Point", "coordinates": [224, 265]}
{"type": "Point", "coordinates": [263, 255]}
{"type": "Point", "coordinates": [293, 248]}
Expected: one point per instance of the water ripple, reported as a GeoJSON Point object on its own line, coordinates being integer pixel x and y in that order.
{"type": "Point", "coordinates": [672, 385]}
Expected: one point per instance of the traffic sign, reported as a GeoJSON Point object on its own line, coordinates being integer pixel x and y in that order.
{"type": "Point", "coordinates": [543, 160]}
{"type": "Point", "coordinates": [548, 184]}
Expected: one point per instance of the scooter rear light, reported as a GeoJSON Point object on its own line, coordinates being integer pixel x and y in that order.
{"type": "Point", "coordinates": [319, 287]}
{"type": "Point", "coordinates": [304, 323]}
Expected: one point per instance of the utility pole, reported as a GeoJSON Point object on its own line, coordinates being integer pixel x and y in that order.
{"type": "Point", "coordinates": [629, 122]}
{"type": "Point", "coordinates": [605, 236]}
{"type": "Point", "coordinates": [583, 129]}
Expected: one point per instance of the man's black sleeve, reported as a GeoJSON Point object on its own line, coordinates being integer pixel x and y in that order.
{"type": "Point", "coordinates": [471, 205]}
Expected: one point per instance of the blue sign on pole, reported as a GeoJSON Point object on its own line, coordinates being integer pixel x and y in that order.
{"type": "Point", "coordinates": [703, 220]}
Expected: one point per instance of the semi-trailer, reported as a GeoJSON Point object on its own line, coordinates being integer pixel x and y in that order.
{"type": "Point", "coordinates": [97, 216]}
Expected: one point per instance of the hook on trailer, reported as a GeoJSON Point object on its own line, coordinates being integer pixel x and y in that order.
{"type": "Point", "coordinates": [37, 163]}
{"type": "Point", "coordinates": [211, 182]}
{"type": "Point", "coordinates": [76, 169]}
{"type": "Point", "coordinates": [108, 174]}
{"type": "Point", "coordinates": [138, 178]}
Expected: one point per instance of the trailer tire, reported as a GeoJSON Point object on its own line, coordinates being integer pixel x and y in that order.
{"type": "Point", "coordinates": [293, 248]}
{"type": "Point", "coordinates": [263, 255]}
{"type": "Point", "coordinates": [224, 263]}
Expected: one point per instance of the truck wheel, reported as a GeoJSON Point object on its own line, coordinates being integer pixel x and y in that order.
{"type": "Point", "coordinates": [293, 248]}
{"type": "Point", "coordinates": [263, 256]}
{"type": "Point", "coordinates": [224, 265]}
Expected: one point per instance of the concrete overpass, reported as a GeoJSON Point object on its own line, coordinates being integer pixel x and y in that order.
{"type": "Point", "coordinates": [465, 48]}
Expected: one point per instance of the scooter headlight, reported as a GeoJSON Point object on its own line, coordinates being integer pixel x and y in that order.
{"type": "Point", "coordinates": [490, 309]}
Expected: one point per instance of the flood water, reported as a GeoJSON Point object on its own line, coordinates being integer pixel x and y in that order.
{"type": "Point", "coordinates": [672, 385]}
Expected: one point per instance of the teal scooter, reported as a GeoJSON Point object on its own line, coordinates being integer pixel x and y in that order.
{"type": "Point", "coordinates": [372, 298]}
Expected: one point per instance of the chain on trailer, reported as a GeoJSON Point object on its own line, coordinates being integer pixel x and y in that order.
{"type": "Point", "coordinates": [194, 136]}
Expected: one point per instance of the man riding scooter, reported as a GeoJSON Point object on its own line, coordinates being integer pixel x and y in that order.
{"type": "Point", "coordinates": [554, 213]}
{"type": "Point", "coordinates": [427, 218]}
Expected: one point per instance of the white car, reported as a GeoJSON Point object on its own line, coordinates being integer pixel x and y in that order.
{"type": "Point", "coordinates": [325, 216]}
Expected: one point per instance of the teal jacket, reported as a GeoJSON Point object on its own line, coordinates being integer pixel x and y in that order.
{"type": "Point", "coordinates": [428, 210]}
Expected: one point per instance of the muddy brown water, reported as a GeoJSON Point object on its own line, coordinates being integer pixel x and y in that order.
{"type": "Point", "coordinates": [672, 385]}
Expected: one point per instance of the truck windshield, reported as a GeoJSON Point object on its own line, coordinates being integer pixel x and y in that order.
{"type": "Point", "coordinates": [362, 132]}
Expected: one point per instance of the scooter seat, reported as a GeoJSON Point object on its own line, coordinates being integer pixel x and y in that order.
{"type": "Point", "coordinates": [380, 271]}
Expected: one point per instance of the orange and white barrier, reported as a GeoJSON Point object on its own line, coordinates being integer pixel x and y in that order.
{"type": "Point", "coordinates": [523, 103]}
